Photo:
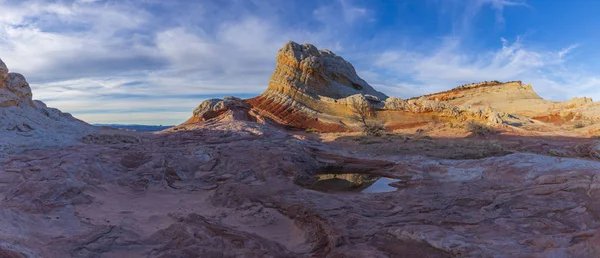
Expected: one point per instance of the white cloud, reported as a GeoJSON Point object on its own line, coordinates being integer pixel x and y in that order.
{"type": "Point", "coordinates": [499, 6]}
{"type": "Point", "coordinates": [469, 10]}
{"type": "Point", "coordinates": [349, 13]}
{"type": "Point", "coordinates": [61, 41]}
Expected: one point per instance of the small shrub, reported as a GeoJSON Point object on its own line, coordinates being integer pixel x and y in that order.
{"type": "Point", "coordinates": [363, 112]}
{"type": "Point", "coordinates": [373, 128]}
{"type": "Point", "coordinates": [556, 153]}
{"type": "Point", "coordinates": [311, 130]}
{"type": "Point", "coordinates": [579, 124]}
{"type": "Point", "coordinates": [480, 129]}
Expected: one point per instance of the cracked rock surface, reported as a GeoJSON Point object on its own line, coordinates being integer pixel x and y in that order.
{"type": "Point", "coordinates": [242, 189]}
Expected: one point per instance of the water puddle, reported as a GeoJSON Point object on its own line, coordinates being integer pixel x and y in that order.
{"type": "Point", "coordinates": [382, 185]}
{"type": "Point", "coordinates": [354, 182]}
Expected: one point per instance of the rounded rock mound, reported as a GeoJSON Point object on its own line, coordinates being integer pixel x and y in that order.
{"type": "Point", "coordinates": [29, 123]}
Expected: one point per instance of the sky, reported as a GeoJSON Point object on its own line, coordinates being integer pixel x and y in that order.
{"type": "Point", "coordinates": [154, 61]}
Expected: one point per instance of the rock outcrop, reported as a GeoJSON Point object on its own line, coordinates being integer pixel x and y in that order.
{"type": "Point", "coordinates": [508, 97]}
{"type": "Point", "coordinates": [28, 122]}
{"type": "Point", "coordinates": [518, 99]}
{"type": "Point", "coordinates": [308, 88]}
{"type": "Point", "coordinates": [213, 108]}
{"type": "Point", "coordinates": [305, 70]}
{"type": "Point", "coordinates": [3, 72]}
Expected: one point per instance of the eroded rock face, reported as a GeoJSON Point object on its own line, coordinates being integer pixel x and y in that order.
{"type": "Point", "coordinates": [303, 69]}
{"type": "Point", "coordinates": [309, 88]}
{"type": "Point", "coordinates": [3, 72]}
{"type": "Point", "coordinates": [14, 89]}
{"type": "Point", "coordinates": [212, 108]}
{"type": "Point", "coordinates": [17, 84]}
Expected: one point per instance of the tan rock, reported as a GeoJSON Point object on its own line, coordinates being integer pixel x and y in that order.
{"type": "Point", "coordinates": [17, 84]}
{"type": "Point", "coordinates": [3, 70]}
{"type": "Point", "coordinates": [212, 108]}
{"type": "Point", "coordinates": [303, 69]}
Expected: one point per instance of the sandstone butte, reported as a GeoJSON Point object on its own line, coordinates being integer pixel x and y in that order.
{"type": "Point", "coordinates": [248, 178]}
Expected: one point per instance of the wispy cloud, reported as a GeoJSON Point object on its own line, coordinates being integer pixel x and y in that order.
{"type": "Point", "coordinates": [342, 12]}
{"type": "Point", "coordinates": [499, 6]}
{"type": "Point", "coordinates": [466, 12]}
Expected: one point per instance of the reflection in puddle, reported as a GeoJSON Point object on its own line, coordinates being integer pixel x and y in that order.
{"type": "Point", "coordinates": [353, 183]}
{"type": "Point", "coordinates": [382, 185]}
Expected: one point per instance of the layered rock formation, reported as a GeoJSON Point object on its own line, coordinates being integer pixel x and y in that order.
{"type": "Point", "coordinates": [308, 89]}
{"type": "Point", "coordinates": [308, 84]}
{"type": "Point", "coordinates": [28, 123]}
{"type": "Point", "coordinates": [316, 89]}
{"type": "Point", "coordinates": [304, 71]}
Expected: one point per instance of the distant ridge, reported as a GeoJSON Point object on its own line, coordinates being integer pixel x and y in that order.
{"type": "Point", "coordinates": [136, 127]}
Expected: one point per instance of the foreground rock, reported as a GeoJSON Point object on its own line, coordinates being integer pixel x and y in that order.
{"type": "Point", "coordinates": [242, 189]}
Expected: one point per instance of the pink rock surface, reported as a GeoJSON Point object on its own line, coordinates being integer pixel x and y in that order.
{"type": "Point", "coordinates": [240, 189]}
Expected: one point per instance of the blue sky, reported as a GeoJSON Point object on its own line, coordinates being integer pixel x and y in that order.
{"type": "Point", "coordinates": [154, 61]}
